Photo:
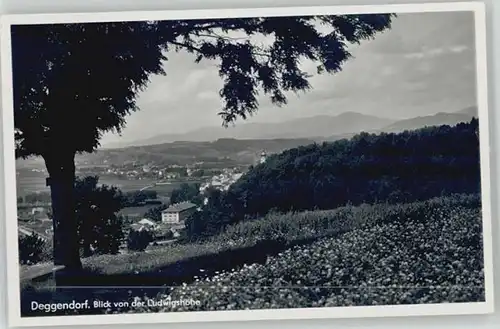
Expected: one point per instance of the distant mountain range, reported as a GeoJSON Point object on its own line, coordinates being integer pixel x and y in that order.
{"type": "Point", "coordinates": [244, 143]}
{"type": "Point", "coordinates": [322, 127]}
{"type": "Point", "coordinates": [437, 119]}
{"type": "Point", "coordinates": [311, 127]}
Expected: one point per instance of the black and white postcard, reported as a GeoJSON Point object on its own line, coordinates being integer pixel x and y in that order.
{"type": "Point", "coordinates": [230, 165]}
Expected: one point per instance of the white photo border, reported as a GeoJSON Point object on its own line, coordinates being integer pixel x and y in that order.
{"type": "Point", "coordinates": [9, 170]}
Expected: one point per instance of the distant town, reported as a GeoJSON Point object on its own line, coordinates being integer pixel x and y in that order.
{"type": "Point", "coordinates": [34, 208]}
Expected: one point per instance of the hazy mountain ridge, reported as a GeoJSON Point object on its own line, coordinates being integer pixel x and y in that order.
{"type": "Point", "coordinates": [321, 127]}
{"type": "Point", "coordinates": [311, 127]}
{"type": "Point", "coordinates": [437, 119]}
{"type": "Point", "coordinates": [245, 149]}
{"type": "Point", "coordinates": [471, 110]}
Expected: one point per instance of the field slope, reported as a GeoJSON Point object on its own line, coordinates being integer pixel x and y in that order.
{"type": "Point", "coordinates": [428, 253]}
{"type": "Point", "coordinates": [422, 252]}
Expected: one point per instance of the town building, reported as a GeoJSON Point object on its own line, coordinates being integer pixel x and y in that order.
{"type": "Point", "coordinates": [146, 221]}
{"type": "Point", "coordinates": [221, 182]}
{"type": "Point", "coordinates": [263, 157]}
{"type": "Point", "coordinates": [177, 213]}
{"type": "Point", "coordinates": [38, 210]}
{"type": "Point", "coordinates": [144, 224]}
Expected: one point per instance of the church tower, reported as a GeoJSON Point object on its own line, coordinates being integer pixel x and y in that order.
{"type": "Point", "coordinates": [263, 157]}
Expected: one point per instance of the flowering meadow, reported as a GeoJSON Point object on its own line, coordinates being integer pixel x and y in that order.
{"type": "Point", "coordinates": [428, 252]}
{"type": "Point", "coordinates": [381, 254]}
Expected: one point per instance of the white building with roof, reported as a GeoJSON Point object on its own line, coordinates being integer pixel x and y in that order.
{"type": "Point", "coordinates": [144, 224]}
{"type": "Point", "coordinates": [146, 221]}
{"type": "Point", "coordinates": [178, 213]}
{"type": "Point", "coordinates": [263, 157]}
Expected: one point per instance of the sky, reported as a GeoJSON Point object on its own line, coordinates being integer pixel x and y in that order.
{"type": "Point", "coordinates": [425, 64]}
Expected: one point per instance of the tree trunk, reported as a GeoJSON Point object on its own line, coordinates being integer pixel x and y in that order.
{"type": "Point", "coordinates": [87, 251]}
{"type": "Point", "coordinates": [61, 169]}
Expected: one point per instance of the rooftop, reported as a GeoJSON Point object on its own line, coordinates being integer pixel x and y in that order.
{"type": "Point", "coordinates": [146, 221]}
{"type": "Point", "coordinates": [178, 207]}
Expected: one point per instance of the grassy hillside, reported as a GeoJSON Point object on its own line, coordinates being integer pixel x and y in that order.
{"type": "Point", "coordinates": [428, 253]}
{"type": "Point", "coordinates": [386, 244]}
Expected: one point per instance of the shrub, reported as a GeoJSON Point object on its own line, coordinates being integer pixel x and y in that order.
{"type": "Point", "coordinates": [100, 230]}
{"type": "Point", "coordinates": [32, 249]}
{"type": "Point", "coordinates": [139, 240]}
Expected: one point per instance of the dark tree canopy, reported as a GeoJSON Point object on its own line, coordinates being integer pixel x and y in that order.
{"type": "Point", "coordinates": [386, 168]}
{"type": "Point", "coordinates": [155, 213]}
{"type": "Point", "coordinates": [99, 228]}
{"type": "Point", "coordinates": [186, 192]}
{"type": "Point", "coordinates": [78, 81]}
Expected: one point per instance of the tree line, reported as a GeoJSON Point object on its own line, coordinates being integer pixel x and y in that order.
{"type": "Point", "coordinates": [139, 198]}
{"type": "Point", "coordinates": [388, 167]}
{"type": "Point", "coordinates": [34, 197]}
{"type": "Point", "coordinates": [130, 198]}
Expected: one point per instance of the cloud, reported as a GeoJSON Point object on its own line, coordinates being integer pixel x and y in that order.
{"type": "Point", "coordinates": [423, 65]}
{"type": "Point", "coordinates": [207, 95]}
{"type": "Point", "coordinates": [441, 51]}
{"type": "Point", "coordinates": [458, 49]}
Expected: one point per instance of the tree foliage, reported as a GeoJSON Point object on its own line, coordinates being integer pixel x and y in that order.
{"type": "Point", "coordinates": [405, 167]}
{"type": "Point", "coordinates": [75, 82]}
{"type": "Point", "coordinates": [100, 229]}
{"type": "Point", "coordinates": [155, 213]}
{"type": "Point", "coordinates": [213, 217]}
{"type": "Point", "coordinates": [139, 240]}
{"type": "Point", "coordinates": [36, 197]}
{"type": "Point", "coordinates": [187, 192]}
{"type": "Point", "coordinates": [138, 198]}
{"type": "Point", "coordinates": [90, 73]}
{"type": "Point", "coordinates": [32, 249]}
{"type": "Point", "coordinates": [198, 173]}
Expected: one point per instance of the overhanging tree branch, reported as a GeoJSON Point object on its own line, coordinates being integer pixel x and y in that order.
{"type": "Point", "coordinates": [75, 82]}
